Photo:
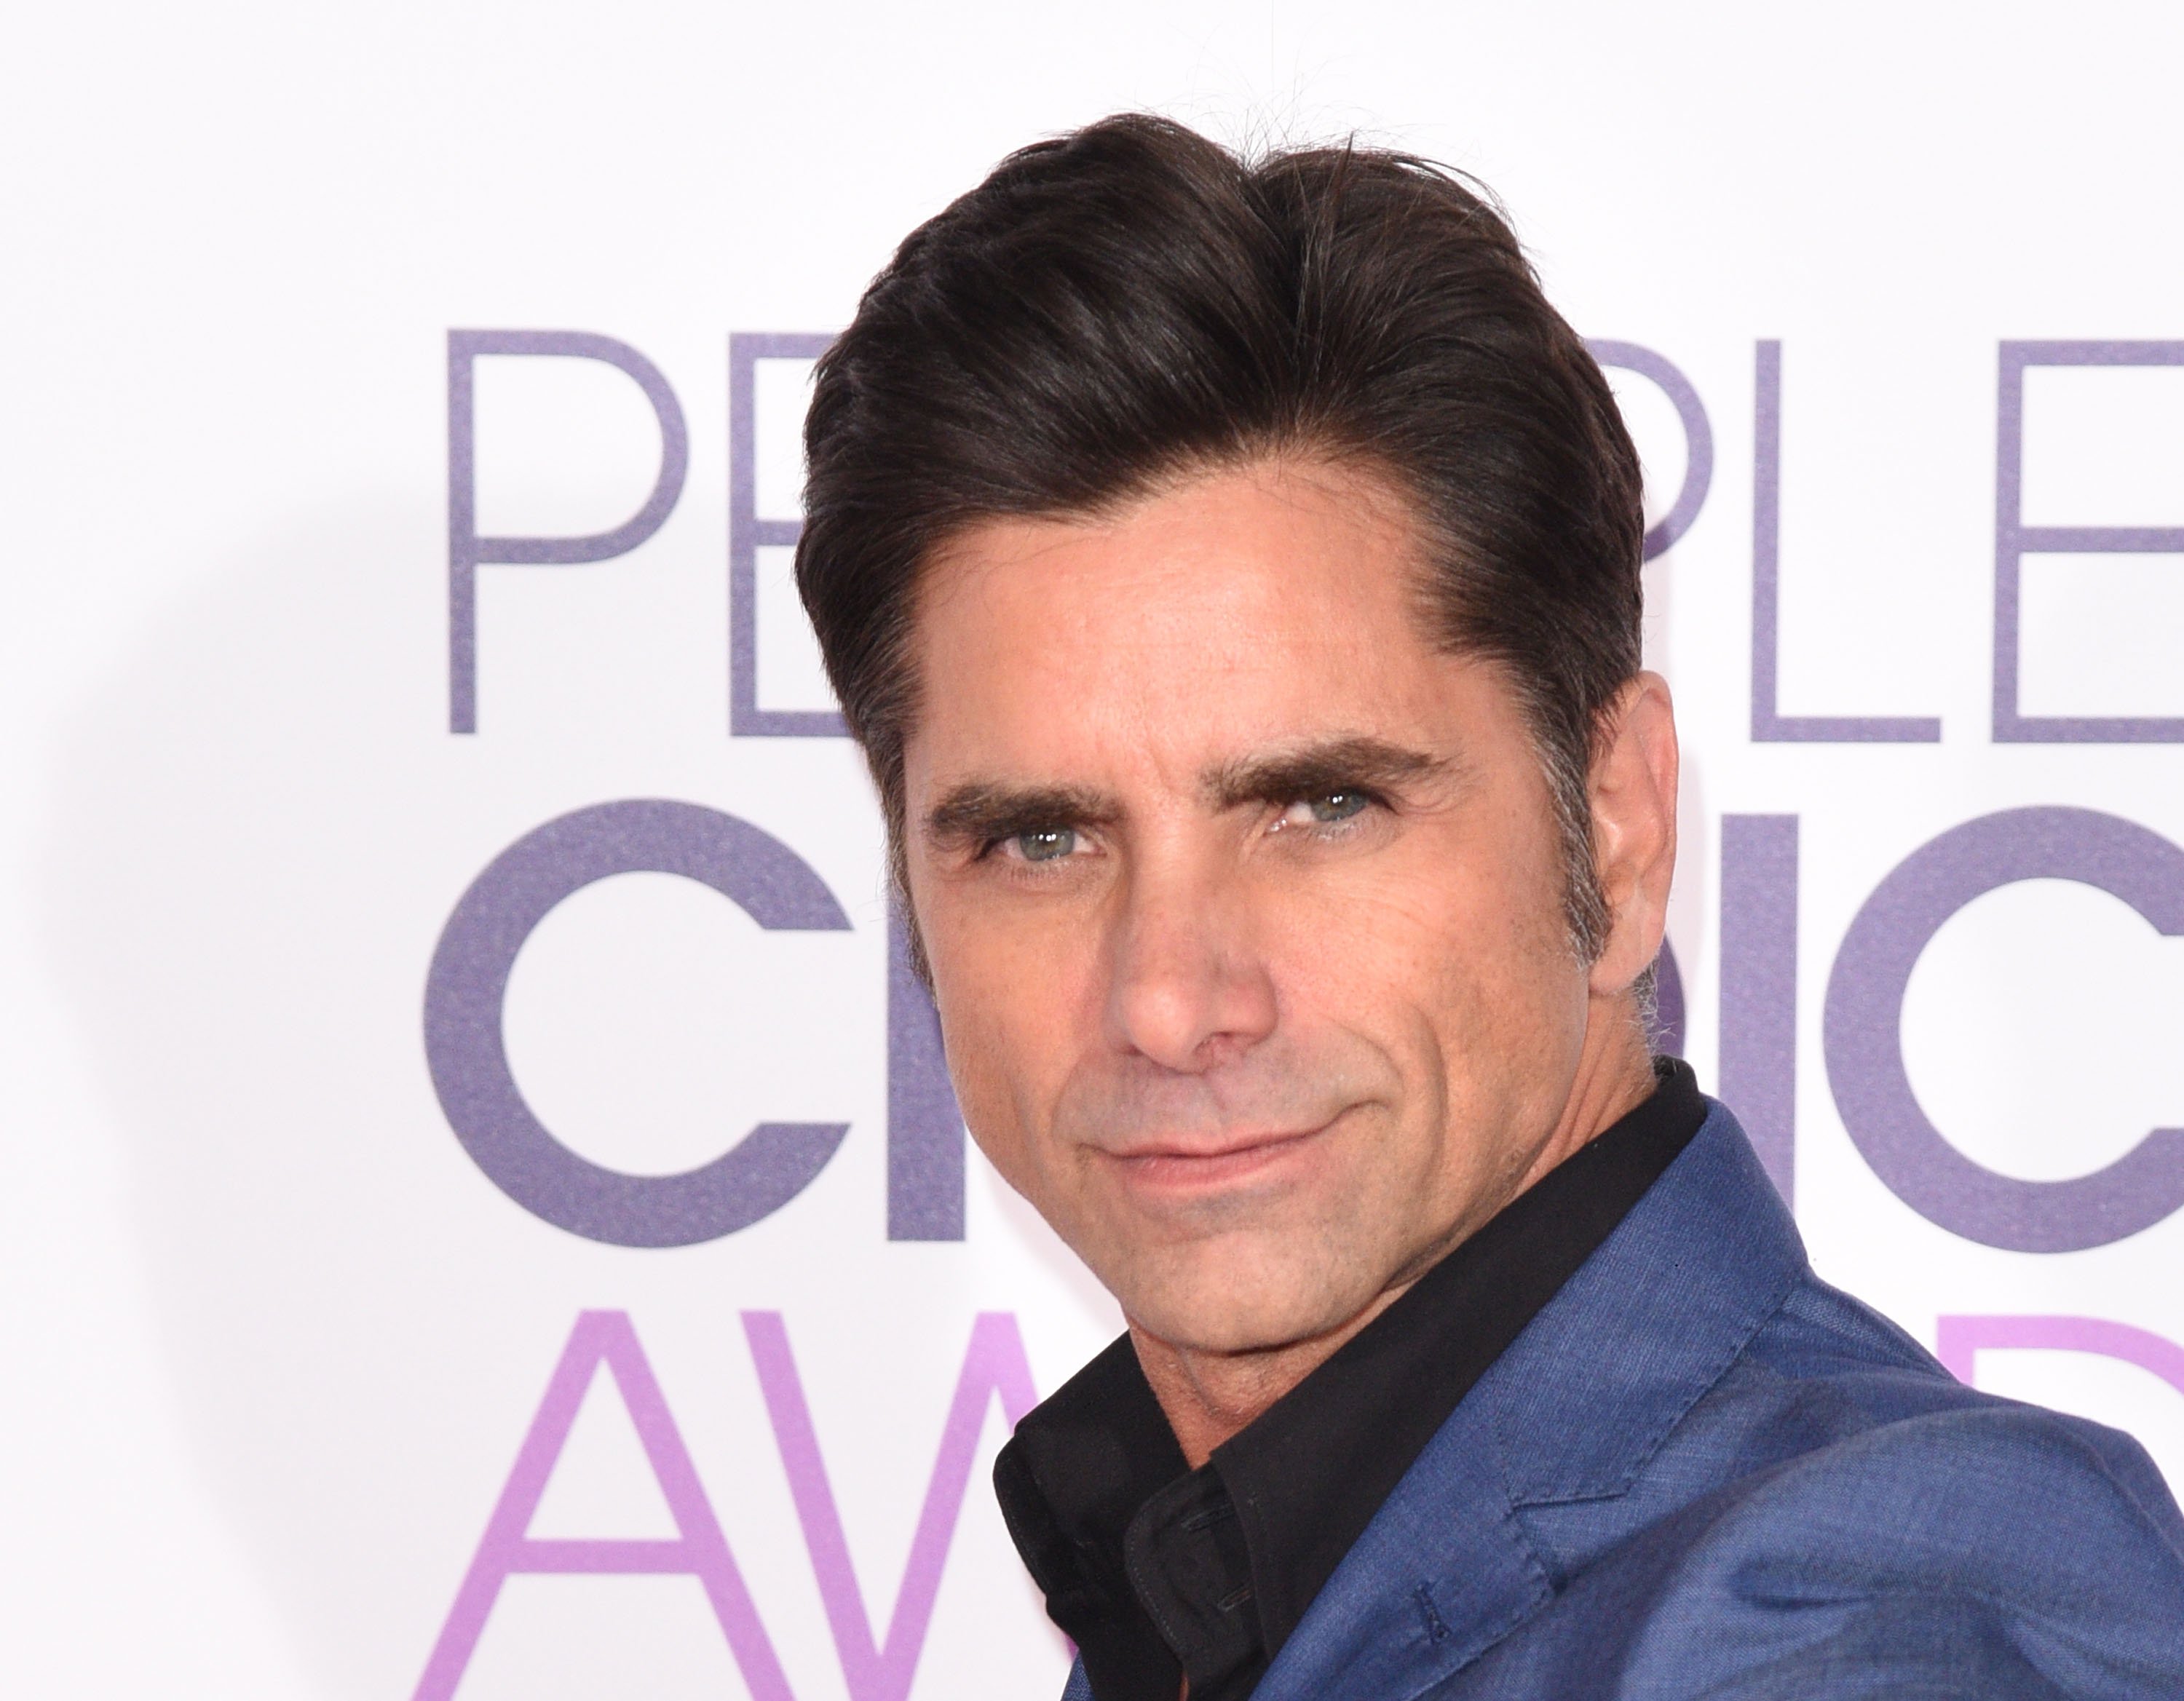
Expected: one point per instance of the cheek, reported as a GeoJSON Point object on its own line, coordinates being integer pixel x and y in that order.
{"type": "Point", "coordinates": [1506, 965]}
{"type": "Point", "coordinates": [1452, 912]}
{"type": "Point", "coordinates": [1450, 952]}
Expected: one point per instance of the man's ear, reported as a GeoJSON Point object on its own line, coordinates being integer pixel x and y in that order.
{"type": "Point", "coordinates": [1634, 829]}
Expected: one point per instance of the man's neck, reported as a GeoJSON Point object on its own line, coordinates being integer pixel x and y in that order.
{"type": "Point", "coordinates": [1210, 1397]}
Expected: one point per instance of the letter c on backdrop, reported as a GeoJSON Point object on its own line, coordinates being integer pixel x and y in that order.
{"type": "Point", "coordinates": [468, 1059]}
{"type": "Point", "coordinates": [1863, 1029]}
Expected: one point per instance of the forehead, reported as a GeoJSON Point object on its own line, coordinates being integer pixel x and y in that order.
{"type": "Point", "coordinates": [1240, 608]}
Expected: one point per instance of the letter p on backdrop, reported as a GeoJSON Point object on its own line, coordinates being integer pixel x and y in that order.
{"type": "Point", "coordinates": [467, 551]}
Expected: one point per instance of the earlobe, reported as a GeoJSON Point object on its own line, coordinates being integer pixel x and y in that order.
{"type": "Point", "coordinates": [1634, 825]}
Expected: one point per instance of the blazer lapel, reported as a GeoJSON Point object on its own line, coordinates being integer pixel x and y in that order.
{"type": "Point", "coordinates": [1440, 1575]}
{"type": "Point", "coordinates": [1571, 1413]}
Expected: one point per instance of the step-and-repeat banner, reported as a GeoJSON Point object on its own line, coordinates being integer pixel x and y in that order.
{"type": "Point", "coordinates": [483, 1212]}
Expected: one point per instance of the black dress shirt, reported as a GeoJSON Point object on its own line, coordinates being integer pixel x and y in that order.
{"type": "Point", "coordinates": [1158, 1572]}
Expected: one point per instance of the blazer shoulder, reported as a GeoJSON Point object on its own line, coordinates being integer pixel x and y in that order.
{"type": "Point", "coordinates": [1977, 1547]}
{"type": "Point", "coordinates": [1823, 1327]}
{"type": "Point", "coordinates": [1837, 1502]}
{"type": "Point", "coordinates": [1856, 1407]}
{"type": "Point", "coordinates": [2001, 1530]}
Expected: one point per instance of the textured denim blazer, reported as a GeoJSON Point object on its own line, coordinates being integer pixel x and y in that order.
{"type": "Point", "coordinates": [1702, 1472]}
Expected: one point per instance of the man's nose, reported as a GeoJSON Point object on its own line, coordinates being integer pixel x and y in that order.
{"type": "Point", "coordinates": [1191, 987]}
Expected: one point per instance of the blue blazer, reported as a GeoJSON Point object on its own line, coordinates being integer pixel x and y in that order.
{"type": "Point", "coordinates": [1702, 1472]}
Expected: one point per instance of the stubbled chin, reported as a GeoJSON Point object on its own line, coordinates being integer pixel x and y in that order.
{"type": "Point", "coordinates": [1238, 1299]}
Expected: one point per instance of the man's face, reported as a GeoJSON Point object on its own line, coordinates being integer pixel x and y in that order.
{"type": "Point", "coordinates": [1243, 900]}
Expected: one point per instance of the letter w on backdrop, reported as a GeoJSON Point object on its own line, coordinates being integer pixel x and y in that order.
{"type": "Point", "coordinates": [876, 1669]}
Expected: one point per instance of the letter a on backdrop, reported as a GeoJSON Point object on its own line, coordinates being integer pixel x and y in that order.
{"type": "Point", "coordinates": [698, 1550]}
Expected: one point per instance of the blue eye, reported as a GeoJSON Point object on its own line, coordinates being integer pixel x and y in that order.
{"type": "Point", "coordinates": [1045, 844]}
{"type": "Point", "coordinates": [1324, 809]}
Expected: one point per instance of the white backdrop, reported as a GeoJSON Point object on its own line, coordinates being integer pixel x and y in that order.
{"type": "Point", "coordinates": [275, 1344]}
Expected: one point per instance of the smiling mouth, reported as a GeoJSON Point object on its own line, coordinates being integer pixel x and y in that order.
{"type": "Point", "coordinates": [1175, 1168]}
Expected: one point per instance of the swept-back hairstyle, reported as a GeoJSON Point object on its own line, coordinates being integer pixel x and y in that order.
{"type": "Point", "coordinates": [1133, 302]}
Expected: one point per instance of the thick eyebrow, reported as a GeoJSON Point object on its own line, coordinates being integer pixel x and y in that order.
{"type": "Point", "coordinates": [978, 812]}
{"type": "Point", "coordinates": [1338, 764]}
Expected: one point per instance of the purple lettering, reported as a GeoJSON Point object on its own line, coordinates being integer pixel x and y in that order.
{"type": "Point", "coordinates": [467, 551]}
{"type": "Point", "coordinates": [2013, 539]}
{"type": "Point", "coordinates": [1759, 987]}
{"type": "Point", "coordinates": [994, 1365]}
{"type": "Point", "coordinates": [1958, 1342]}
{"type": "Point", "coordinates": [925, 1128]}
{"type": "Point", "coordinates": [1862, 1030]}
{"type": "Point", "coordinates": [749, 531]}
{"type": "Point", "coordinates": [468, 1059]}
{"type": "Point", "coordinates": [1698, 434]}
{"type": "Point", "coordinates": [1769, 726]}
{"type": "Point", "coordinates": [698, 1549]}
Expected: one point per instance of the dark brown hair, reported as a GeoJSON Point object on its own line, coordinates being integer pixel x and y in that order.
{"type": "Point", "coordinates": [1134, 301]}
